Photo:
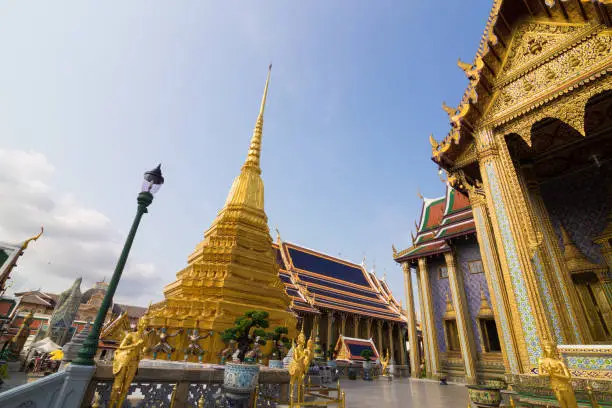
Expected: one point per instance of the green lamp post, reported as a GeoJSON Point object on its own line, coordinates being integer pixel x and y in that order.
{"type": "Point", "coordinates": [152, 182]}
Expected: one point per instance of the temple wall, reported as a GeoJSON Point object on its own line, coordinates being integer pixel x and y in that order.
{"type": "Point", "coordinates": [439, 289]}
{"type": "Point", "coordinates": [468, 250]}
{"type": "Point", "coordinates": [581, 203]}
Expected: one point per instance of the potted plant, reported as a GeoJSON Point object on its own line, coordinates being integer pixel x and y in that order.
{"type": "Point", "coordinates": [280, 341]}
{"type": "Point", "coordinates": [242, 374]}
{"type": "Point", "coordinates": [367, 365]}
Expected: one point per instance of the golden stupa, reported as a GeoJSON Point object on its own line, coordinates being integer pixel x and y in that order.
{"type": "Point", "coordinates": [231, 271]}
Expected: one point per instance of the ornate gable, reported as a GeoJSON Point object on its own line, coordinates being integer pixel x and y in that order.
{"type": "Point", "coordinates": [546, 59]}
{"type": "Point", "coordinates": [115, 330]}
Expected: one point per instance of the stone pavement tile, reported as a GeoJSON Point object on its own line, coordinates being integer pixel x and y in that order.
{"type": "Point", "coordinates": [404, 393]}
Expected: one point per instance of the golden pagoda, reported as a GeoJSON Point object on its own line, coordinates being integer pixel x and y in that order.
{"type": "Point", "coordinates": [231, 271]}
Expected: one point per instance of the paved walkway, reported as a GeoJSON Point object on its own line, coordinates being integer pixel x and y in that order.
{"type": "Point", "coordinates": [404, 393]}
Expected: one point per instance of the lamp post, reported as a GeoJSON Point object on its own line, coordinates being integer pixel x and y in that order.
{"type": "Point", "coordinates": [152, 182]}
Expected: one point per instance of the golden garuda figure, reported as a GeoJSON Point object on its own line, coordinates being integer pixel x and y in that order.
{"type": "Point", "coordinates": [384, 362]}
{"type": "Point", "coordinates": [552, 366]}
{"type": "Point", "coordinates": [125, 364]}
{"type": "Point", "coordinates": [163, 344]}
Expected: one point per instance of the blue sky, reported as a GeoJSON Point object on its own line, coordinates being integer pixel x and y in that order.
{"type": "Point", "coordinates": [92, 94]}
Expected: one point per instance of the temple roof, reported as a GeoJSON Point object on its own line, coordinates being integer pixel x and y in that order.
{"type": "Point", "coordinates": [317, 281]}
{"type": "Point", "coordinates": [38, 298]}
{"type": "Point", "coordinates": [349, 348]}
{"type": "Point", "coordinates": [441, 219]}
{"type": "Point", "coordinates": [489, 66]}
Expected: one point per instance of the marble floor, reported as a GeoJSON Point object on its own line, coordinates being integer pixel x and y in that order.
{"type": "Point", "coordinates": [403, 393]}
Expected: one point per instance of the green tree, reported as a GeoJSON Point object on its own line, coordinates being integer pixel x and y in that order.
{"type": "Point", "coordinates": [248, 328]}
{"type": "Point", "coordinates": [279, 339]}
{"type": "Point", "coordinates": [366, 354]}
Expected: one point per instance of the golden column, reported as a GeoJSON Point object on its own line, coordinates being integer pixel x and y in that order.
{"type": "Point", "coordinates": [356, 326]}
{"type": "Point", "coordinates": [342, 323]}
{"type": "Point", "coordinates": [379, 324]}
{"type": "Point", "coordinates": [390, 326]}
{"type": "Point", "coordinates": [369, 328]}
{"type": "Point", "coordinates": [506, 325]}
{"type": "Point", "coordinates": [464, 324]}
{"type": "Point", "coordinates": [412, 329]}
{"type": "Point", "coordinates": [573, 322]}
{"type": "Point", "coordinates": [433, 367]}
{"type": "Point", "coordinates": [330, 321]}
{"type": "Point", "coordinates": [402, 344]}
{"type": "Point", "coordinates": [315, 326]}
{"type": "Point", "coordinates": [516, 237]}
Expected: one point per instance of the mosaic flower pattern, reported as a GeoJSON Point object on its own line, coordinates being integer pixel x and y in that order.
{"type": "Point", "coordinates": [589, 363]}
{"type": "Point", "coordinates": [520, 290]}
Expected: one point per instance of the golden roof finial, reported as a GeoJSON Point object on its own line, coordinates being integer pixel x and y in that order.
{"type": "Point", "coordinates": [34, 238]}
{"type": "Point", "coordinates": [278, 237]}
{"type": "Point", "coordinates": [252, 159]}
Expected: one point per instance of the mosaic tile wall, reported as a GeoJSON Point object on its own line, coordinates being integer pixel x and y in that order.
{"type": "Point", "coordinates": [532, 341]}
{"type": "Point", "coordinates": [468, 250]}
{"type": "Point", "coordinates": [439, 289]}
{"type": "Point", "coordinates": [581, 203]}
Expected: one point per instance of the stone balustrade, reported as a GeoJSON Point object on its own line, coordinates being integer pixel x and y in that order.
{"type": "Point", "coordinates": [159, 382]}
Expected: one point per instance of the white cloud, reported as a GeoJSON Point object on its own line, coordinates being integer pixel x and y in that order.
{"type": "Point", "coordinates": [78, 241]}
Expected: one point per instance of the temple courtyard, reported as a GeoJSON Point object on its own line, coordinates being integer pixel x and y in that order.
{"type": "Point", "coordinates": [404, 392]}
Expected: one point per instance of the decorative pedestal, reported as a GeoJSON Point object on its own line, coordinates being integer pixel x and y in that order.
{"type": "Point", "coordinates": [240, 379]}
{"type": "Point", "coordinates": [483, 396]}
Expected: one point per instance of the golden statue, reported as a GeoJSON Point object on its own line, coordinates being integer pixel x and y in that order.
{"type": "Point", "coordinates": [296, 365]}
{"type": "Point", "coordinates": [125, 364]}
{"type": "Point", "coordinates": [384, 362]}
{"type": "Point", "coordinates": [552, 366]}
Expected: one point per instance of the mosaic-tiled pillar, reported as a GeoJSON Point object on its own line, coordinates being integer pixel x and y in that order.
{"type": "Point", "coordinates": [506, 326]}
{"type": "Point", "coordinates": [574, 329]}
{"type": "Point", "coordinates": [464, 326]}
{"type": "Point", "coordinates": [412, 330]}
{"type": "Point", "coordinates": [342, 323]}
{"type": "Point", "coordinates": [516, 237]}
{"type": "Point", "coordinates": [390, 326]}
{"type": "Point", "coordinates": [356, 326]}
{"type": "Point", "coordinates": [424, 330]}
{"type": "Point", "coordinates": [433, 367]}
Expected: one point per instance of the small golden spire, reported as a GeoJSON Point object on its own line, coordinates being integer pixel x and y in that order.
{"type": "Point", "coordinates": [575, 260]}
{"type": "Point", "coordinates": [252, 159]}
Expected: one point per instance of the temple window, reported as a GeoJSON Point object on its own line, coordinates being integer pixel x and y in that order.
{"type": "Point", "coordinates": [475, 266]}
{"type": "Point", "coordinates": [442, 272]}
{"type": "Point", "coordinates": [490, 339]}
{"type": "Point", "coordinates": [452, 335]}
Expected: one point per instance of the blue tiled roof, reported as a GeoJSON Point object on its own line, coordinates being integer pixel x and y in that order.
{"type": "Point", "coordinates": [353, 299]}
{"type": "Point", "coordinates": [364, 292]}
{"type": "Point", "coordinates": [323, 266]}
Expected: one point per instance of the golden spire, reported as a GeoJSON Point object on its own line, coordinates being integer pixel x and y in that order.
{"type": "Point", "coordinates": [252, 159]}
{"type": "Point", "coordinates": [248, 189]}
